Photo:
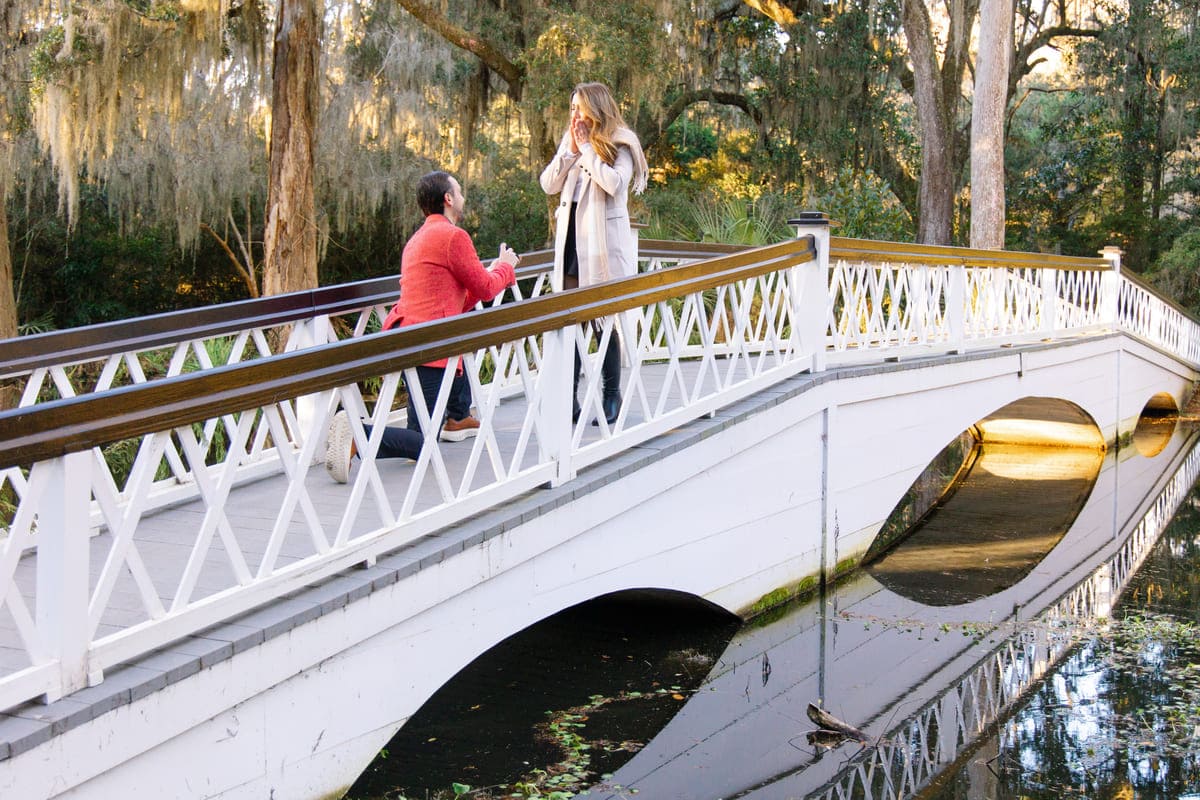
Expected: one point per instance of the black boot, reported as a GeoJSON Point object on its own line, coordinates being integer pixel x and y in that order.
{"type": "Point", "coordinates": [610, 373]}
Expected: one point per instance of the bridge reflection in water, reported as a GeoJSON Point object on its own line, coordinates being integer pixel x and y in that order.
{"type": "Point", "coordinates": [924, 680]}
{"type": "Point", "coordinates": [923, 651]}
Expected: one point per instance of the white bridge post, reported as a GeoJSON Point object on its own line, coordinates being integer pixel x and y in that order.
{"type": "Point", "coordinates": [305, 334]}
{"type": "Point", "coordinates": [1110, 287]}
{"type": "Point", "coordinates": [62, 569]}
{"type": "Point", "coordinates": [1049, 301]}
{"type": "Point", "coordinates": [810, 288]}
{"type": "Point", "coordinates": [557, 374]}
{"type": "Point", "coordinates": [956, 308]}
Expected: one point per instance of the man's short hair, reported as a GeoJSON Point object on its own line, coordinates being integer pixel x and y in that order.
{"type": "Point", "coordinates": [432, 190]}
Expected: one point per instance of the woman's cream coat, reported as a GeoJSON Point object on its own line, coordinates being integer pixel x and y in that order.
{"type": "Point", "coordinates": [604, 239]}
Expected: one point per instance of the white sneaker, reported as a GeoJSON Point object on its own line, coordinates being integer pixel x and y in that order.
{"type": "Point", "coordinates": [455, 430]}
{"type": "Point", "coordinates": [339, 449]}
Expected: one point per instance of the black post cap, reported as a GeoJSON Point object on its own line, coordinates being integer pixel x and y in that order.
{"type": "Point", "coordinates": [810, 218]}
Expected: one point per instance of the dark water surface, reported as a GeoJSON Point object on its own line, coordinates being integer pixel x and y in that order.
{"type": "Point", "coordinates": [632, 696]}
{"type": "Point", "coordinates": [1120, 716]}
{"type": "Point", "coordinates": [613, 672]}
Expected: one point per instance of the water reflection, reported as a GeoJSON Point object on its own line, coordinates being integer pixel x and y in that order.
{"type": "Point", "coordinates": [1155, 425]}
{"type": "Point", "coordinates": [1011, 506]}
{"type": "Point", "coordinates": [923, 679]}
{"type": "Point", "coordinates": [1118, 717]}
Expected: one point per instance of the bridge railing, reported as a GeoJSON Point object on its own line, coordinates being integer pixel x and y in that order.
{"type": "Point", "coordinates": [80, 586]}
{"type": "Point", "coordinates": [885, 295]}
{"type": "Point", "coordinates": [881, 295]}
{"type": "Point", "coordinates": [1143, 312]}
{"type": "Point", "coordinates": [695, 337]}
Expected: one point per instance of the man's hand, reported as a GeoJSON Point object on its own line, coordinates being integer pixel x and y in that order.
{"type": "Point", "coordinates": [508, 255]}
{"type": "Point", "coordinates": [508, 258]}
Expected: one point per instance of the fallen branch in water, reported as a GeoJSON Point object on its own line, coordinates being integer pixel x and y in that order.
{"type": "Point", "coordinates": [833, 731]}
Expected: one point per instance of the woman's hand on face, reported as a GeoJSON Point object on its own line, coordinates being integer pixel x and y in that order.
{"type": "Point", "coordinates": [581, 133]}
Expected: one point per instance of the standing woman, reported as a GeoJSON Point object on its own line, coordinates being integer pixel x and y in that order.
{"type": "Point", "coordinates": [597, 163]}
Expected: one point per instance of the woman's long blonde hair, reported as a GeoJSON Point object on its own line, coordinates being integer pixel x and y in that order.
{"type": "Point", "coordinates": [598, 107]}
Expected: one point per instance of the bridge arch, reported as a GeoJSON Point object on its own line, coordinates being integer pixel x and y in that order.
{"type": "Point", "coordinates": [627, 649]}
{"type": "Point", "coordinates": [1041, 422]}
{"type": "Point", "coordinates": [1155, 425]}
{"type": "Point", "coordinates": [991, 505]}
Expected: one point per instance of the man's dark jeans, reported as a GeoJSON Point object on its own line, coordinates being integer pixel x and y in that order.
{"type": "Point", "coordinates": [406, 442]}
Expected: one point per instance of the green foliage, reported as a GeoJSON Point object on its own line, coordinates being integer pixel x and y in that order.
{"type": "Point", "coordinates": [864, 206]}
{"type": "Point", "coordinates": [1061, 198]}
{"type": "Point", "coordinates": [712, 216]}
{"type": "Point", "coordinates": [100, 272]}
{"type": "Point", "coordinates": [1177, 271]}
{"type": "Point", "coordinates": [42, 324]}
{"type": "Point", "coordinates": [734, 220]}
{"type": "Point", "coordinates": [690, 141]}
{"type": "Point", "coordinates": [609, 42]}
{"type": "Point", "coordinates": [511, 209]}
{"type": "Point", "coordinates": [47, 62]}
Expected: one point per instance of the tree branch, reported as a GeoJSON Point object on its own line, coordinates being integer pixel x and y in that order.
{"type": "Point", "coordinates": [482, 49]}
{"type": "Point", "coordinates": [247, 278]}
{"type": "Point", "coordinates": [1022, 65]}
{"type": "Point", "coordinates": [649, 130]}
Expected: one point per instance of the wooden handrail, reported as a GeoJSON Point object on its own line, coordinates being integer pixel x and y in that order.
{"type": "Point", "coordinates": [903, 252]}
{"type": "Point", "coordinates": [75, 424]}
{"type": "Point", "coordinates": [76, 345]}
{"type": "Point", "coordinates": [93, 342]}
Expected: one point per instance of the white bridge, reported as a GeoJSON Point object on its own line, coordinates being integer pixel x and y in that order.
{"type": "Point", "coordinates": [190, 607]}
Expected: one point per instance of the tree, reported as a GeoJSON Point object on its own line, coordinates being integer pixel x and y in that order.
{"type": "Point", "coordinates": [936, 93]}
{"type": "Point", "coordinates": [290, 240]}
{"type": "Point", "coordinates": [987, 123]}
{"type": "Point", "coordinates": [13, 102]}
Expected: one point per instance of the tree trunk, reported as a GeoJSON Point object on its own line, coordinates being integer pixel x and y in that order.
{"type": "Point", "coordinates": [987, 124]}
{"type": "Point", "coordinates": [8, 301]}
{"type": "Point", "coordinates": [935, 192]}
{"type": "Point", "coordinates": [10, 394]}
{"type": "Point", "coordinates": [290, 240]}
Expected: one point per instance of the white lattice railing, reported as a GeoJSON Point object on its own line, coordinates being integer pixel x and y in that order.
{"type": "Point", "coordinates": [917, 750]}
{"type": "Point", "coordinates": [694, 338]}
{"type": "Point", "coordinates": [884, 296]}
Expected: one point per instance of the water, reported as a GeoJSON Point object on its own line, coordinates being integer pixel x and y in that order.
{"type": "Point", "coordinates": [616, 670]}
{"type": "Point", "coordinates": [1120, 717]}
{"type": "Point", "coordinates": [924, 656]}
